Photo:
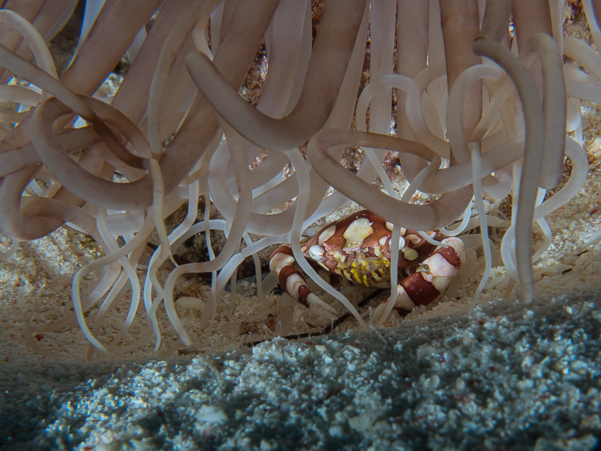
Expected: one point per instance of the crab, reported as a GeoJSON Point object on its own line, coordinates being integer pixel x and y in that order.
{"type": "Point", "coordinates": [358, 249]}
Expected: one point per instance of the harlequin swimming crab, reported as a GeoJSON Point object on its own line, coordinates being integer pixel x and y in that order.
{"type": "Point", "coordinates": [357, 248]}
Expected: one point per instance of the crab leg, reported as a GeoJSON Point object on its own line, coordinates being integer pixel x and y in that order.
{"type": "Point", "coordinates": [430, 279]}
{"type": "Point", "coordinates": [292, 282]}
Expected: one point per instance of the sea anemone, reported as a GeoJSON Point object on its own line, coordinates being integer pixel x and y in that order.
{"type": "Point", "coordinates": [482, 103]}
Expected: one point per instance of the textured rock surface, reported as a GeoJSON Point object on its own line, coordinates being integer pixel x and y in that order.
{"type": "Point", "coordinates": [503, 377]}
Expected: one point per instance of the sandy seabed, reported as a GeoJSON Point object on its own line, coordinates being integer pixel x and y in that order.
{"type": "Point", "coordinates": [503, 376]}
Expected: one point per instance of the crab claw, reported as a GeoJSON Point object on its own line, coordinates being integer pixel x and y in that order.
{"type": "Point", "coordinates": [430, 279]}
{"type": "Point", "coordinates": [320, 308]}
{"type": "Point", "coordinates": [403, 302]}
{"type": "Point", "coordinates": [293, 283]}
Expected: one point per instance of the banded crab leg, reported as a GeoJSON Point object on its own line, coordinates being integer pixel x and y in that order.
{"type": "Point", "coordinates": [430, 278]}
{"type": "Point", "coordinates": [292, 282]}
